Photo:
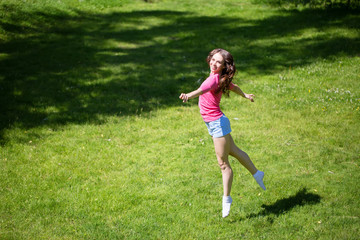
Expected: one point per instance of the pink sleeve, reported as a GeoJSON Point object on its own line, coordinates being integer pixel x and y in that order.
{"type": "Point", "coordinates": [210, 83]}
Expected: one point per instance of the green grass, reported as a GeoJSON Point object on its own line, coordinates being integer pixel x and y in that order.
{"type": "Point", "coordinates": [95, 144]}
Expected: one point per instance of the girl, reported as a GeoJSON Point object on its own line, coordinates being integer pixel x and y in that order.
{"type": "Point", "coordinates": [222, 69]}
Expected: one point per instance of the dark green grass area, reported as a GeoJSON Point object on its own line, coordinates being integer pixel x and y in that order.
{"type": "Point", "coordinates": [71, 65]}
{"type": "Point", "coordinates": [301, 198]}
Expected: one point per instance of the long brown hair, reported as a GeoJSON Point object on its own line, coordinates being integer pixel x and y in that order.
{"type": "Point", "coordinates": [228, 71]}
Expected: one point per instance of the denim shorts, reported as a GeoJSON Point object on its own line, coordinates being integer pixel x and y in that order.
{"type": "Point", "coordinates": [220, 127]}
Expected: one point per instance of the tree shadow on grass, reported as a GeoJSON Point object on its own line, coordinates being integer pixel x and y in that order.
{"type": "Point", "coordinates": [59, 67]}
{"type": "Point", "coordinates": [282, 206]}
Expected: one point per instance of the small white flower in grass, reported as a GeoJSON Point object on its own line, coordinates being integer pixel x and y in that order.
{"type": "Point", "coordinates": [236, 119]}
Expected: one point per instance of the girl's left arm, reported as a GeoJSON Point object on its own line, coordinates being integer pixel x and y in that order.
{"type": "Point", "coordinates": [186, 96]}
{"type": "Point", "coordinates": [236, 89]}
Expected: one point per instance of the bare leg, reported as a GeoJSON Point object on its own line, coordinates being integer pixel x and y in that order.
{"type": "Point", "coordinates": [241, 156]}
{"type": "Point", "coordinates": [222, 148]}
{"type": "Point", "coordinates": [244, 159]}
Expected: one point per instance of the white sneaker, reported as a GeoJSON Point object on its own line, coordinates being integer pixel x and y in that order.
{"type": "Point", "coordinates": [259, 175]}
{"type": "Point", "coordinates": [226, 206]}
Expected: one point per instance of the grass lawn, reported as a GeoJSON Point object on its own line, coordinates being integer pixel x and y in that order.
{"type": "Point", "coordinates": [95, 144]}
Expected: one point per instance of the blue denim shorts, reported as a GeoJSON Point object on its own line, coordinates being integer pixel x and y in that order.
{"type": "Point", "coordinates": [220, 127]}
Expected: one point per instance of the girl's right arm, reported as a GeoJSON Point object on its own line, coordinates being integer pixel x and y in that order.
{"type": "Point", "coordinates": [186, 96]}
{"type": "Point", "coordinates": [238, 91]}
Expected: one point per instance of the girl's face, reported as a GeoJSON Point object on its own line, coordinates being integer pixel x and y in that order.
{"type": "Point", "coordinates": [217, 63]}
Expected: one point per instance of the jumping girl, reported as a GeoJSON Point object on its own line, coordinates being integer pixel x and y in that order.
{"type": "Point", "coordinates": [222, 69]}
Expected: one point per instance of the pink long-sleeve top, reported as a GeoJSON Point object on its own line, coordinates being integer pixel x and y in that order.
{"type": "Point", "coordinates": [209, 101]}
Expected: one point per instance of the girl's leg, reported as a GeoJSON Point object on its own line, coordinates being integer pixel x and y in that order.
{"type": "Point", "coordinates": [241, 156]}
{"type": "Point", "coordinates": [244, 159]}
{"type": "Point", "coordinates": [222, 149]}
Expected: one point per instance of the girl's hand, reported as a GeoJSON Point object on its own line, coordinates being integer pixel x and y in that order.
{"type": "Point", "coordinates": [250, 97]}
{"type": "Point", "coordinates": [184, 97]}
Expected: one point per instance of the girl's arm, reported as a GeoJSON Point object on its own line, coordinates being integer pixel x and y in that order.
{"type": "Point", "coordinates": [236, 89]}
{"type": "Point", "coordinates": [186, 96]}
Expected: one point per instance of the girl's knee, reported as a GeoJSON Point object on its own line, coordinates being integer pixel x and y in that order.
{"type": "Point", "coordinates": [224, 166]}
{"type": "Point", "coordinates": [222, 160]}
